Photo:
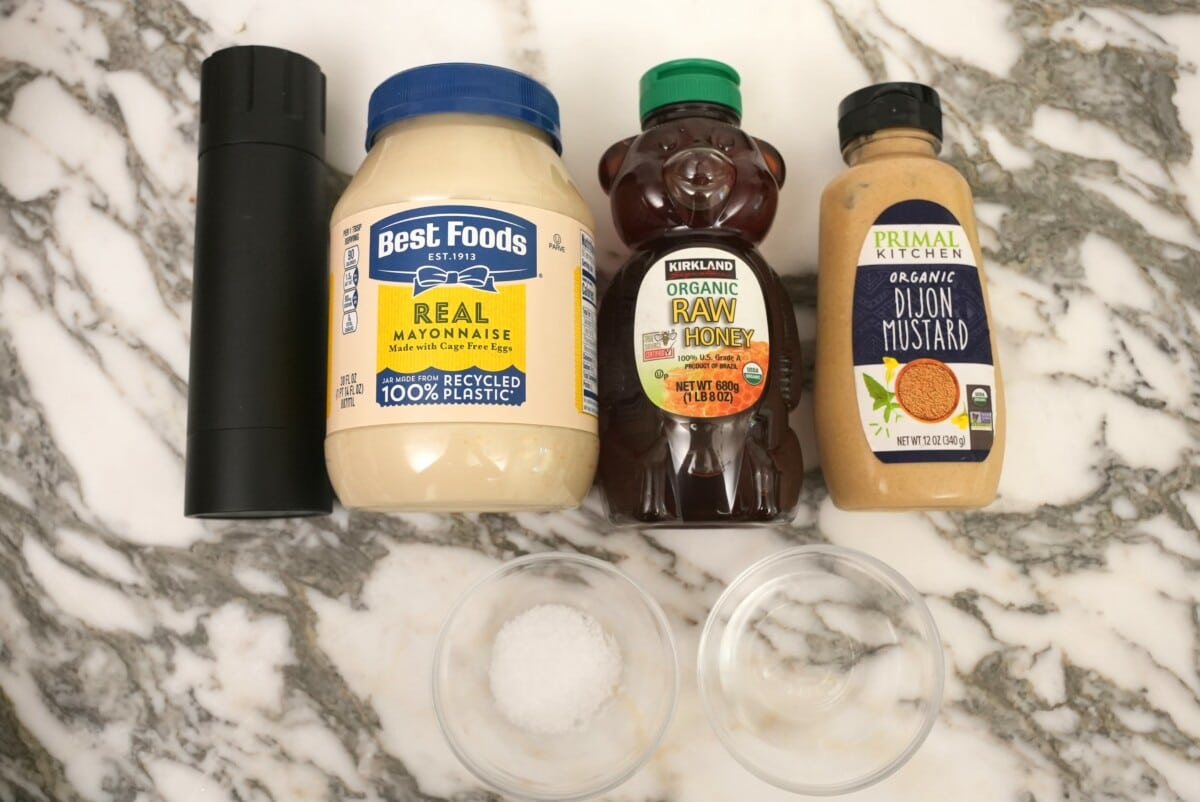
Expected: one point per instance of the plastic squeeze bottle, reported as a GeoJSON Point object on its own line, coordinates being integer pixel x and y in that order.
{"type": "Point", "coordinates": [699, 353]}
{"type": "Point", "coordinates": [908, 401]}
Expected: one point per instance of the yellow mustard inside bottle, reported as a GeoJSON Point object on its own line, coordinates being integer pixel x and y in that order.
{"type": "Point", "coordinates": [908, 400]}
{"type": "Point", "coordinates": [463, 303]}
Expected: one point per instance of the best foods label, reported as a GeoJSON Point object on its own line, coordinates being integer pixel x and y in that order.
{"type": "Point", "coordinates": [923, 365]}
{"type": "Point", "coordinates": [700, 333]}
{"type": "Point", "coordinates": [462, 312]}
{"type": "Point", "coordinates": [452, 289]}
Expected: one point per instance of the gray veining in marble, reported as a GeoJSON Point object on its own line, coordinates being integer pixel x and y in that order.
{"type": "Point", "coordinates": [118, 698]}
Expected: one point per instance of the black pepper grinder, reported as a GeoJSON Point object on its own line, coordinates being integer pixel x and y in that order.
{"type": "Point", "coordinates": [256, 390]}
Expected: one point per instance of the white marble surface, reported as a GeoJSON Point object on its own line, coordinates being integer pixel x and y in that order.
{"type": "Point", "coordinates": [144, 656]}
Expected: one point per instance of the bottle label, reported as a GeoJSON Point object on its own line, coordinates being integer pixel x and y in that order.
{"type": "Point", "coordinates": [700, 335]}
{"type": "Point", "coordinates": [462, 312]}
{"type": "Point", "coordinates": [923, 368]}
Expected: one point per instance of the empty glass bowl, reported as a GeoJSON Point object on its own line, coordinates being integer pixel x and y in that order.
{"type": "Point", "coordinates": [613, 743]}
{"type": "Point", "coordinates": [820, 669]}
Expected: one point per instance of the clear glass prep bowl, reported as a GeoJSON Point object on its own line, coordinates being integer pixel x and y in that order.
{"type": "Point", "coordinates": [577, 764]}
{"type": "Point", "coordinates": [820, 669]}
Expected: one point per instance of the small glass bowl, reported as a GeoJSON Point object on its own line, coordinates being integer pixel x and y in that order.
{"type": "Point", "coordinates": [580, 763]}
{"type": "Point", "coordinates": [820, 669]}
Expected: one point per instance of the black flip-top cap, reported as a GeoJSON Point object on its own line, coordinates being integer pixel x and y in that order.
{"type": "Point", "coordinates": [890, 105]}
{"type": "Point", "coordinates": [253, 94]}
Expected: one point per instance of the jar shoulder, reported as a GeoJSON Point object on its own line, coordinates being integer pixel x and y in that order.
{"type": "Point", "coordinates": [463, 168]}
{"type": "Point", "coordinates": [867, 188]}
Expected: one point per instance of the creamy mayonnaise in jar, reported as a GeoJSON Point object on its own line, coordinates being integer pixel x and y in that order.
{"type": "Point", "coordinates": [462, 303]}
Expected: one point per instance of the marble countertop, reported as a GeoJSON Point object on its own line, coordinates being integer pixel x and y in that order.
{"type": "Point", "coordinates": [145, 656]}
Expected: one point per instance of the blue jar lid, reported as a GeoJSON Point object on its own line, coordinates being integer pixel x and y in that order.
{"type": "Point", "coordinates": [462, 87]}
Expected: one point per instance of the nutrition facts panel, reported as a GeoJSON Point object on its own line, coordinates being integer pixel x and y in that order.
{"type": "Point", "coordinates": [350, 282]}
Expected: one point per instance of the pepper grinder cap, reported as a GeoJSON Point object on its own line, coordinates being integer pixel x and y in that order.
{"type": "Point", "coordinates": [253, 94]}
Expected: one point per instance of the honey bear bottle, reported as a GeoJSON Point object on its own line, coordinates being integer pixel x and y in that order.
{"type": "Point", "coordinates": [699, 353]}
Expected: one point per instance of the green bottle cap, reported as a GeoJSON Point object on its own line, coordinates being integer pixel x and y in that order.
{"type": "Point", "coordinates": [690, 80]}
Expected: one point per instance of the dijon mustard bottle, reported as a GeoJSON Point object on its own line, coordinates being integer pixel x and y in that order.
{"type": "Point", "coordinates": [908, 399]}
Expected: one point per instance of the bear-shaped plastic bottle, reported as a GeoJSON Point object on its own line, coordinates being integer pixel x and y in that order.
{"type": "Point", "coordinates": [698, 348]}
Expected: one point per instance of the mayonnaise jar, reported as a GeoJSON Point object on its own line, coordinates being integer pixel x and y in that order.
{"type": "Point", "coordinates": [463, 303]}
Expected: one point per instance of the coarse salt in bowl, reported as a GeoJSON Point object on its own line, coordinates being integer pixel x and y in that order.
{"type": "Point", "coordinates": [555, 677]}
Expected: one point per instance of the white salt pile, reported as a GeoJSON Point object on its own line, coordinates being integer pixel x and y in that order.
{"type": "Point", "coordinates": [553, 668]}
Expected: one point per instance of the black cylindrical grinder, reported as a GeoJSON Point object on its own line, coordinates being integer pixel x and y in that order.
{"type": "Point", "coordinates": [256, 390]}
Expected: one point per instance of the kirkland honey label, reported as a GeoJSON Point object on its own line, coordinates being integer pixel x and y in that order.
{"type": "Point", "coordinates": [923, 365]}
{"type": "Point", "coordinates": [700, 333]}
{"type": "Point", "coordinates": [462, 312]}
